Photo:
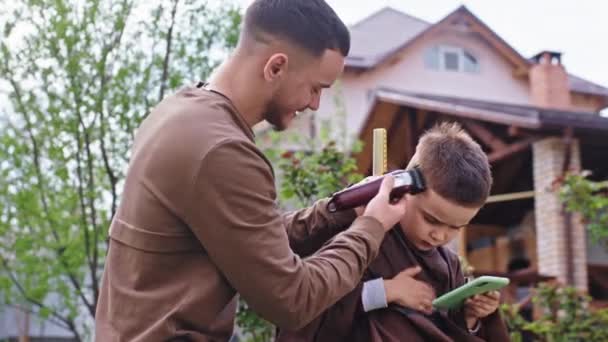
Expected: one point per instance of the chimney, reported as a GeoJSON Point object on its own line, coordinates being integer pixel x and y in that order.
{"type": "Point", "coordinates": [549, 81]}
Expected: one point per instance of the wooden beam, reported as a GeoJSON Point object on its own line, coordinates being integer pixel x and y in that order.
{"type": "Point", "coordinates": [411, 133]}
{"type": "Point", "coordinates": [507, 174]}
{"type": "Point", "coordinates": [510, 150]}
{"type": "Point", "coordinates": [510, 197]}
{"type": "Point", "coordinates": [396, 146]}
{"type": "Point", "coordinates": [516, 131]}
{"type": "Point", "coordinates": [484, 134]}
{"type": "Point", "coordinates": [476, 231]}
{"type": "Point", "coordinates": [421, 120]}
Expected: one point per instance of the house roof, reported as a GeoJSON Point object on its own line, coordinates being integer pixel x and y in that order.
{"type": "Point", "coordinates": [373, 40]}
{"type": "Point", "coordinates": [502, 113]}
{"type": "Point", "coordinates": [581, 85]}
{"type": "Point", "coordinates": [367, 50]}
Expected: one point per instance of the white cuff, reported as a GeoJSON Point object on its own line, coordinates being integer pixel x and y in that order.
{"type": "Point", "coordinates": [374, 295]}
{"type": "Point", "coordinates": [475, 329]}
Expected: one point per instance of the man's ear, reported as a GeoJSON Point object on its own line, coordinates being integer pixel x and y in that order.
{"type": "Point", "coordinates": [276, 67]}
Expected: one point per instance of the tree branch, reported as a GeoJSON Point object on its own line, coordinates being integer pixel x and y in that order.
{"type": "Point", "coordinates": [163, 80]}
{"type": "Point", "coordinates": [40, 184]}
{"type": "Point", "coordinates": [68, 322]}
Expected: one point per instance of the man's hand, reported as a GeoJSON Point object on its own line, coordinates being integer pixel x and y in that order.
{"type": "Point", "coordinates": [380, 207]}
{"type": "Point", "coordinates": [361, 209]}
{"type": "Point", "coordinates": [480, 306]}
{"type": "Point", "coordinates": [406, 291]}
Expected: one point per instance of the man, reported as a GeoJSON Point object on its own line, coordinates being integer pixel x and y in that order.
{"type": "Point", "coordinates": [198, 222]}
{"type": "Point", "coordinates": [393, 304]}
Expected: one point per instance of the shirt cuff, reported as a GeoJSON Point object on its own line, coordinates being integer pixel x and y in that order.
{"type": "Point", "coordinates": [374, 295]}
{"type": "Point", "coordinates": [475, 329]}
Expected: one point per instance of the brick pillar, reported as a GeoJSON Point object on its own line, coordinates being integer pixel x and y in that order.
{"type": "Point", "coordinates": [551, 227]}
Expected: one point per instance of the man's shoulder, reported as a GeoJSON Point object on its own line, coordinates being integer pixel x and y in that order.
{"type": "Point", "coordinates": [197, 118]}
{"type": "Point", "coordinates": [203, 112]}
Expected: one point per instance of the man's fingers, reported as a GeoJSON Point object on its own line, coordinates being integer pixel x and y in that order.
{"type": "Point", "coordinates": [387, 185]}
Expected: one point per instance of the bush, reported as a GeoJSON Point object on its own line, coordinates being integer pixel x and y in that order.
{"type": "Point", "coordinates": [590, 200]}
{"type": "Point", "coordinates": [565, 316]}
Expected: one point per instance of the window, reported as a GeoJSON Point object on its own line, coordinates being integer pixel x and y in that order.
{"type": "Point", "coordinates": [469, 62]}
{"type": "Point", "coordinates": [450, 58]}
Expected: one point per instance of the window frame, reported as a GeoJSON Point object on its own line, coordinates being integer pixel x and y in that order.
{"type": "Point", "coordinates": [442, 50]}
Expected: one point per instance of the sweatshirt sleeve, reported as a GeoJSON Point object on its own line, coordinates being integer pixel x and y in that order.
{"type": "Point", "coordinates": [234, 215]}
{"type": "Point", "coordinates": [308, 229]}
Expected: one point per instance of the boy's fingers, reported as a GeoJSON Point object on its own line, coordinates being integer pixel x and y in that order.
{"type": "Point", "coordinates": [412, 271]}
{"type": "Point", "coordinates": [494, 295]}
{"type": "Point", "coordinates": [488, 300]}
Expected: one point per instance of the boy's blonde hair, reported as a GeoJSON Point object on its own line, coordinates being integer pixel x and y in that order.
{"type": "Point", "coordinates": [453, 165]}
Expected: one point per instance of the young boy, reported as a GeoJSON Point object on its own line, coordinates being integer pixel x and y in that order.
{"type": "Point", "coordinates": [393, 300]}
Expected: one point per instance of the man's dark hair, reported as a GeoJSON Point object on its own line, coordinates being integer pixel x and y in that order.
{"type": "Point", "coordinates": [454, 165]}
{"type": "Point", "coordinates": [310, 24]}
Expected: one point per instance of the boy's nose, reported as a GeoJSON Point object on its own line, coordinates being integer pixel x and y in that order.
{"type": "Point", "coordinates": [438, 236]}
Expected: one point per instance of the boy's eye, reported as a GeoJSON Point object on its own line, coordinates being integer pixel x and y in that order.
{"type": "Point", "coordinates": [431, 220]}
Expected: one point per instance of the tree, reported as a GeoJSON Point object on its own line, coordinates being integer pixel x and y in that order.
{"type": "Point", "coordinates": [79, 77]}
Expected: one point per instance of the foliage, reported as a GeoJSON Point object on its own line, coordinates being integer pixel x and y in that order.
{"type": "Point", "coordinates": [566, 316]}
{"type": "Point", "coordinates": [590, 199]}
{"type": "Point", "coordinates": [309, 176]}
{"type": "Point", "coordinates": [76, 79]}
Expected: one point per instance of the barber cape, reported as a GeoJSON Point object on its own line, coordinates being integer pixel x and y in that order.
{"type": "Point", "coordinates": [347, 321]}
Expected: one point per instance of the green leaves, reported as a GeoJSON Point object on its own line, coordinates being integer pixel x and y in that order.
{"type": "Point", "coordinates": [565, 316]}
{"type": "Point", "coordinates": [590, 200]}
{"type": "Point", "coordinates": [310, 176]}
{"type": "Point", "coordinates": [79, 77]}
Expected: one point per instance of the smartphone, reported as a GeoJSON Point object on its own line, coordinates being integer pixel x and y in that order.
{"type": "Point", "coordinates": [456, 297]}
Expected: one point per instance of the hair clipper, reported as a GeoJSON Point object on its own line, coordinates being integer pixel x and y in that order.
{"type": "Point", "coordinates": [406, 181]}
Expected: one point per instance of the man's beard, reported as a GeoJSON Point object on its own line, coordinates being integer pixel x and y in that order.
{"type": "Point", "coordinates": [274, 118]}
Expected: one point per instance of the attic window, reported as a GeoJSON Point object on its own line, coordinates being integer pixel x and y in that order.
{"type": "Point", "coordinates": [450, 58]}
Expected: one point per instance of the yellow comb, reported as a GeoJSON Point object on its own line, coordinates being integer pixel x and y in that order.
{"type": "Point", "coordinates": [379, 159]}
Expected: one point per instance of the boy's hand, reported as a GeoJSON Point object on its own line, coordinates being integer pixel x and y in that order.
{"type": "Point", "coordinates": [406, 291]}
{"type": "Point", "coordinates": [480, 306]}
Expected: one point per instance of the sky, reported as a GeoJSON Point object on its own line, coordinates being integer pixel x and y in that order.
{"type": "Point", "coordinates": [577, 29]}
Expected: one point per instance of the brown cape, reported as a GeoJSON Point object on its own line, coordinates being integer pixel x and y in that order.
{"type": "Point", "coordinates": [346, 320]}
